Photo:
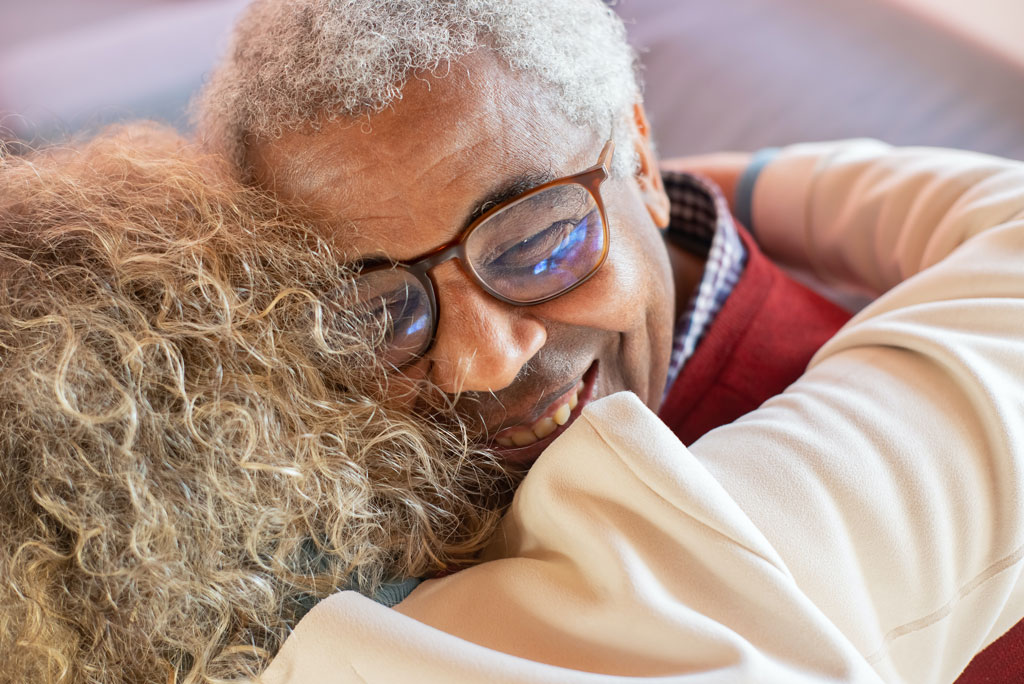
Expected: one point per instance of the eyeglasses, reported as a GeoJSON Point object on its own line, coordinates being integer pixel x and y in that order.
{"type": "Point", "coordinates": [525, 251]}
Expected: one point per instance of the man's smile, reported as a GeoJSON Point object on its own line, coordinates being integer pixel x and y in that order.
{"type": "Point", "coordinates": [523, 443]}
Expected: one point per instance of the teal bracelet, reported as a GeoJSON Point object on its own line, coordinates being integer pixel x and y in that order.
{"type": "Point", "coordinates": [743, 202]}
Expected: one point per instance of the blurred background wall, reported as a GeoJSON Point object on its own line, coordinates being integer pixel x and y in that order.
{"type": "Point", "coordinates": [743, 74]}
{"type": "Point", "coordinates": [68, 65]}
{"type": "Point", "coordinates": [720, 74]}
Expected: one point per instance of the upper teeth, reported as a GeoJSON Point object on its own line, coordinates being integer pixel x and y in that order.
{"type": "Point", "coordinates": [545, 426]}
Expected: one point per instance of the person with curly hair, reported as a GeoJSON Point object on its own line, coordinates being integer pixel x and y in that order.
{"type": "Point", "coordinates": [230, 424]}
{"type": "Point", "coordinates": [199, 441]}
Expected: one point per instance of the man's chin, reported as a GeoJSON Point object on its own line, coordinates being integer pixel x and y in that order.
{"type": "Point", "coordinates": [524, 456]}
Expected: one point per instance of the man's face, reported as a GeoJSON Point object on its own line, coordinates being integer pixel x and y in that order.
{"type": "Point", "coordinates": [409, 179]}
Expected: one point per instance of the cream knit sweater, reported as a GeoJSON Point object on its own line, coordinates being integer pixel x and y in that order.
{"type": "Point", "coordinates": [866, 525]}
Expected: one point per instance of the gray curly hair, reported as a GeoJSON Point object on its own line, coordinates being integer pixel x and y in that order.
{"type": "Point", "coordinates": [300, 63]}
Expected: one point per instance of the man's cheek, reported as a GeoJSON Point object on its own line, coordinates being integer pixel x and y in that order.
{"type": "Point", "coordinates": [407, 388]}
{"type": "Point", "coordinates": [614, 300]}
{"type": "Point", "coordinates": [637, 271]}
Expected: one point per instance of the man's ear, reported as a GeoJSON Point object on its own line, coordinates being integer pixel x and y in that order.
{"type": "Point", "coordinates": [648, 177]}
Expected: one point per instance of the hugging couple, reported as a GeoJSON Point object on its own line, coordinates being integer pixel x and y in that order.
{"type": "Point", "coordinates": [409, 368]}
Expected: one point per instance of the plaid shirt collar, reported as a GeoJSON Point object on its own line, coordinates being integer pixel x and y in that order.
{"type": "Point", "coordinates": [701, 224]}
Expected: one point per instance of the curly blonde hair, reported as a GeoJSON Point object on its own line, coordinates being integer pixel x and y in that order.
{"type": "Point", "coordinates": [196, 444]}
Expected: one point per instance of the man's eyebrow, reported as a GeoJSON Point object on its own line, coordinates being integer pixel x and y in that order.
{"type": "Point", "coordinates": [511, 189]}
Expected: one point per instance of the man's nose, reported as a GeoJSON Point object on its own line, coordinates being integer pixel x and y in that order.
{"type": "Point", "coordinates": [482, 343]}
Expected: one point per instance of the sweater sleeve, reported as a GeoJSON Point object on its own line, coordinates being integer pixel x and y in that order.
{"type": "Point", "coordinates": [868, 216]}
{"type": "Point", "coordinates": [890, 476]}
{"type": "Point", "coordinates": [621, 561]}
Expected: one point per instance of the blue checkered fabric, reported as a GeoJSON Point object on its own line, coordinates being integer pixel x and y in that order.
{"type": "Point", "coordinates": [701, 224]}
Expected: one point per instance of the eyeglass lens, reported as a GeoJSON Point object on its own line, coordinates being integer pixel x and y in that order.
{"type": "Point", "coordinates": [396, 307]}
{"type": "Point", "coordinates": [539, 246]}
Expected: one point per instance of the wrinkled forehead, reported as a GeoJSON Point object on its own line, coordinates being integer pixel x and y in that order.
{"type": "Point", "coordinates": [407, 179]}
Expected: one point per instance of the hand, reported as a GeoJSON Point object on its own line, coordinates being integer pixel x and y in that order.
{"type": "Point", "coordinates": [723, 168]}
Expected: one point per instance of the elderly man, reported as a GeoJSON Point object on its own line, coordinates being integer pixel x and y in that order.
{"type": "Point", "coordinates": [523, 205]}
{"type": "Point", "coordinates": [489, 168]}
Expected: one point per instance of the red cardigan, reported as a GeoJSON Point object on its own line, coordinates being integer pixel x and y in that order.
{"type": "Point", "coordinates": [749, 352]}
{"type": "Point", "coordinates": [758, 344]}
